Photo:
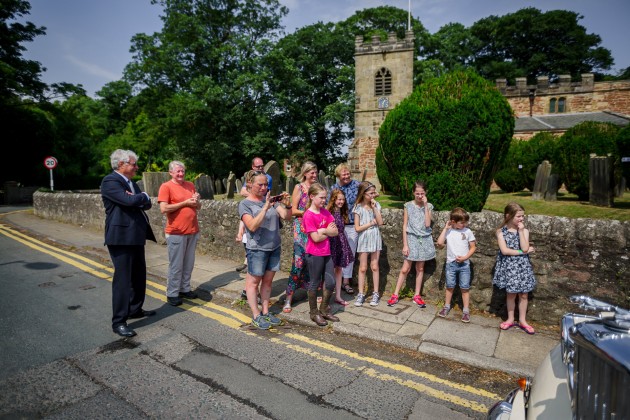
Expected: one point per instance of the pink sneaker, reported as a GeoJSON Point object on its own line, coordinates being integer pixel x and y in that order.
{"type": "Point", "coordinates": [392, 300]}
{"type": "Point", "coordinates": [419, 301]}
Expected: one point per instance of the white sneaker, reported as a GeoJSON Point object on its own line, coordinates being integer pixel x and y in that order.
{"type": "Point", "coordinates": [376, 298]}
{"type": "Point", "coordinates": [359, 300]}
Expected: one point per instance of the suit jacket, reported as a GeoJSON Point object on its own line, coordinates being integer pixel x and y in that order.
{"type": "Point", "coordinates": [125, 220]}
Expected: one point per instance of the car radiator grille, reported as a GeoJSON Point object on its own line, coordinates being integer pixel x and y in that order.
{"type": "Point", "coordinates": [603, 389]}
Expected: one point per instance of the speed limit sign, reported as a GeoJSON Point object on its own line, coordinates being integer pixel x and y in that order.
{"type": "Point", "coordinates": [50, 162]}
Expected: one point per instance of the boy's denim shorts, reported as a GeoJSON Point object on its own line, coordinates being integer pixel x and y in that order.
{"type": "Point", "coordinates": [259, 262]}
{"type": "Point", "coordinates": [452, 268]}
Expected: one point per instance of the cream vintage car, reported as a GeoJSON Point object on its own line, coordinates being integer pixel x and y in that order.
{"type": "Point", "coordinates": [587, 376]}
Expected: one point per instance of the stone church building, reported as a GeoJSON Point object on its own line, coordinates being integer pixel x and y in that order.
{"type": "Point", "coordinates": [384, 77]}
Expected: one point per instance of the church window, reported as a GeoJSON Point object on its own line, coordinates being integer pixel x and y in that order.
{"type": "Point", "coordinates": [558, 105]}
{"type": "Point", "coordinates": [383, 82]}
{"type": "Point", "coordinates": [561, 104]}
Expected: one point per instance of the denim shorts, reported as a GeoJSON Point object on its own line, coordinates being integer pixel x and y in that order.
{"type": "Point", "coordinates": [259, 262]}
{"type": "Point", "coordinates": [452, 268]}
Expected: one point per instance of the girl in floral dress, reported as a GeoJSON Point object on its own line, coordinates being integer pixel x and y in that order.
{"type": "Point", "coordinates": [513, 271]}
{"type": "Point", "coordinates": [340, 250]}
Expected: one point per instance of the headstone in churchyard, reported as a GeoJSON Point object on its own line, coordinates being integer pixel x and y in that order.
{"type": "Point", "coordinates": [224, 182]}
{"type": "Point", "coordinates": [218, 186]}
{"type": "Point", "coordinates": [321, 178]}
{"type": "Point", "coordinates": [239, 185]}
{"type": "Point", "coordinates": [203, 185]}
{"type": "Point", "coordinates": [153, 181]}
{"type": "Point", "coordinates": [551, 194]}
{"type": "Point", "coordinates": [540, 184]}
{"type": "Point", "coordinates": [231, 185]}
{"type": "Point", "coordinates": [273, 169]}
{"type": "Point", "coordinates": [291, 182]}
{"type": "Point", "coordinates": [602, 181]}
{"type": "Point", "coordinates": [621, 187]}
{"type": "Point", "coordinates": [329, 182]}
{"type": "Point", "coordinates": [141, 185]}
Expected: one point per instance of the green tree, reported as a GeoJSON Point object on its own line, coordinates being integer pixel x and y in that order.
{"type": "Point", "coordinates": [207, 86]}
{"type": "Point", "coordinates": [452, 132]}
{"type": "Point", "coordinates": [532, 43]}
{"type": "Point", "coordinates": [19, 77]}
{"type": "Point", "coordinates": [312, 81]}
{"type": "Point", "coordinates": [574, 150]}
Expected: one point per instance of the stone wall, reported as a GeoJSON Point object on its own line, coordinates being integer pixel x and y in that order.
{"type": "Point", "coordinates": [583, 96]}
{"type": "Point", "coordinates": [573, 255]}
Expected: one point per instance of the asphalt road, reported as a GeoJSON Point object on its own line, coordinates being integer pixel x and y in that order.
{"type": "Point", "coordinates": [59, 358]}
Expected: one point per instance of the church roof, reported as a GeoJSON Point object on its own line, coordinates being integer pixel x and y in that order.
{"type": "Point", "coordinates": [552, 122]}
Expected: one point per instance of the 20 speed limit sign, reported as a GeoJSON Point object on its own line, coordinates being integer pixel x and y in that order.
{"type": "Point", "coordinates": [50, 162]}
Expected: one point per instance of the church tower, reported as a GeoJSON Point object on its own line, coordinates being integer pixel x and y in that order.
{"type": "Point", "coordinates": [383, 78]}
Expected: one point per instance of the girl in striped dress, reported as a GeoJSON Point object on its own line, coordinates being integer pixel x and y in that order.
{"type": "Point", "coordinates": [367, 219]}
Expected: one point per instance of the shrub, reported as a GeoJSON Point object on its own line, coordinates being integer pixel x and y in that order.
{"type": "Point", "coordinates": [511, 177]}
{"type": "Point", "coordinates": [451, 132]}
{"type": "Point", "coordinates": [575, 148]}
{"type": "Point", "coordinates": [519, 168]}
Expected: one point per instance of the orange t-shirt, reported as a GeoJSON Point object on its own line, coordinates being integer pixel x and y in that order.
{"type": "Point", "coordinates": [183, 221]}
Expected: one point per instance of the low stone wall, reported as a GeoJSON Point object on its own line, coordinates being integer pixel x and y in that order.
{"type": "Point", "coordinates": [572, 255]}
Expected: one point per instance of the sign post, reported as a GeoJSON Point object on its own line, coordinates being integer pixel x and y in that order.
{"type": "Point", "coordinates": [51, 163]}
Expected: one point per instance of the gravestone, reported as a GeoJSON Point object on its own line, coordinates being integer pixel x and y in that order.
{"type": "Point", "coordinates": [218, 186]}
{"type": "Point", "coordinates": [203, 185]}
{"type": "Point", "coordinates": [329, 182]}
{"type": "Point", "coordinates": [224, 182]}
{"type": "Point", "coordinates": [291, 183]}
{"type": "Point", "coordinates": [273, 170]}
{"type": "Point", "coordinates": [621, 187]}
{"type": "Point", "coordinates": [321, 177]}
{"type": "Point", "coordinates": [551, 194]}
{"type": "Point", "coordinates": [542, 177]}
{"type": "Point", "coordinates": [141, 185]}
{"type": "Point", "coordinates": [231, 185]}
{"type": "Point", "coordinates": [153, 180]}
{"type": "Point", "coordinates": [239, 185]}
{"type": "Point", "coordinates": [601, 181]}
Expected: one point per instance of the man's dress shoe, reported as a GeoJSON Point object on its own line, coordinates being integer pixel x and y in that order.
{"type": "Point", "coordinates": [124, 331]}
{"type": "Point", "coordinates": [141, 314]}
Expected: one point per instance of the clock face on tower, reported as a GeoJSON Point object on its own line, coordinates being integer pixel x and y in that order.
{"type": "Point", "coordinates": [383, 102]}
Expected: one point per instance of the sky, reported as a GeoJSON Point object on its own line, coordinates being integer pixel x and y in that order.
{"type": "Point", "coordinates": [87, 41]}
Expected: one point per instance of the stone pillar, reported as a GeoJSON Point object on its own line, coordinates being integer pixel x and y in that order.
{"type": "Point", "coordinates": [542, 82]}
{"type": "Point", "coordinates": [521, 83]}
{"type": "Point", "coordinates": [203, 185]}
{"type": "Point", "coordinates": [273, 169]}
{"type": "Point", "coordinates": [564, 80]}
{"type": "Point", "coordinates": [588, 80]}
{"type": "Point", "coordinates": [231, 185]}
{"type": "Point", "coordinates": [601, 181]}
{"type": "Point", "coordinates": [501, 84]}
{"type": "Point", "coordinates": [153, 180]}
{"type": "Point", "coordinates": [542, 178]}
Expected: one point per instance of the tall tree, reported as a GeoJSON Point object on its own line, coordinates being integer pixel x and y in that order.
{"type": "Point", "coordinates": [311, 84]}
{"type": "Point", "coordinates": [206, 81]}
{"type": "Point", "coordinates": [19, 77]}
{"type": "Point", "coordinates": [531, 43]}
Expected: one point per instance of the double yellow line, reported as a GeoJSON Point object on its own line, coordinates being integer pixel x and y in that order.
{"type": "Point", "coordinates": [329, 353]}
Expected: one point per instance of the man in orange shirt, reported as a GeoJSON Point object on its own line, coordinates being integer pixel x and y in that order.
{"type": "Point", "coordinates": [179, 202]}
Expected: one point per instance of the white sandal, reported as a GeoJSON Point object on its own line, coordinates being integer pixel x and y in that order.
{"type": "Point", "coordinates": [287, 306]}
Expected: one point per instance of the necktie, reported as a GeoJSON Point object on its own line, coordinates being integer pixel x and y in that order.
{"type": "Point", "coordinates": [133, 190]}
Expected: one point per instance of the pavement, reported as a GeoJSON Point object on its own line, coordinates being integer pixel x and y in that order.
{"type": "Point", "coordinates": [479, 343]}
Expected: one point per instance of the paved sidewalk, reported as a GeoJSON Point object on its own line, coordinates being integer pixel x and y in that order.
{"type": "Point", "coordinates": [480, 343]}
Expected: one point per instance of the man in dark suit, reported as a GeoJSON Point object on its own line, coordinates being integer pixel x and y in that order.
{"type": "Point", "coordinates": [126, 231]}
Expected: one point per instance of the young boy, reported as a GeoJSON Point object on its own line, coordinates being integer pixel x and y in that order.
{"type": "Point", "coordinates": [460, 245]}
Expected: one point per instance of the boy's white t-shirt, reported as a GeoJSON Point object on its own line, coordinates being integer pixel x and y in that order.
{"type": "Point", "coordinates": [457, 242]}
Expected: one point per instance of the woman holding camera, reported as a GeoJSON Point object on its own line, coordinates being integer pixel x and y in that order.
{"type": "Point", "coordinates": [261, 217]}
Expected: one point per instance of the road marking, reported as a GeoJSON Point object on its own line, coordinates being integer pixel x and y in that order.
{"type": "Point", "coordinates": [235, 320]}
